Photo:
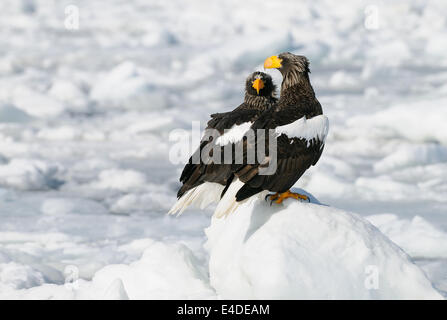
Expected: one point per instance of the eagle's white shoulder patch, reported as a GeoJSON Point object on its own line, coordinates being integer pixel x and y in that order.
{"type": "Point", "coordinates": [308, 129]}
{"type": "Point", "coordinates": [235, 134]}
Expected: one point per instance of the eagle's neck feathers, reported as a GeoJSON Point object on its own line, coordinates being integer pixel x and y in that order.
{"type": "Point", "coordinates": [293, 78]}
{"type": "Point", "coordinates": [257, 102]}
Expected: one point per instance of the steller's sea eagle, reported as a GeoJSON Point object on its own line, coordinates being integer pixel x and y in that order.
{"type": "Point", "coordinates": [298, 122]}
{"type": "Point", "coordinates": [203, 183]}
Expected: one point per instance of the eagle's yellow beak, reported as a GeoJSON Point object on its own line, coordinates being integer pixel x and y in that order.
{"type": "Point", "coordinates": [258, 84]}
{"type": "Point", "coordinates": [272, 62]}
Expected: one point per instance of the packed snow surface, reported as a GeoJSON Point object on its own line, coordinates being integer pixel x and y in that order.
{"type": "Point", "coordinates": [294, 250]}
{"type": "Point", "coordinates": [86, 116]}
{"type": "Point", "coordinates": [308, 251]}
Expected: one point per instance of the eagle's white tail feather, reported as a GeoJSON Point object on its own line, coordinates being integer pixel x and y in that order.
{"type": "Point", "coordinates": [200, 196]}
{"type": "Point", "coordinates": [228, 203]}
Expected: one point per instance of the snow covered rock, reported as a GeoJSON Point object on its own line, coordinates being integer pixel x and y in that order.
{"type": "Point", "coordinates": [308, 251]}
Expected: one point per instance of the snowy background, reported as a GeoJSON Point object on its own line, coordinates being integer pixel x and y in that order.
{"type": "Point", "coordinates": [85, 117]}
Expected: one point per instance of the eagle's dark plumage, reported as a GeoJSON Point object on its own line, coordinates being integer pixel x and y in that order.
{"type": "Point", "coordinates": [259, 96]}
{"type": "Point", "coordinates": [301, 128]}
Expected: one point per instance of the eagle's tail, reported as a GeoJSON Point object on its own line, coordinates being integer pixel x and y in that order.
{"type": "Point", "coordinates": [228, 203]}
{"type": "Point", "coordinates": [200, 196]}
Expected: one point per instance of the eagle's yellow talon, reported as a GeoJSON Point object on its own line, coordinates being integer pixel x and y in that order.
{"type": "Point", "coordinates": [272, 197]}
{"type": "Point", "coordinates": [289, 194]}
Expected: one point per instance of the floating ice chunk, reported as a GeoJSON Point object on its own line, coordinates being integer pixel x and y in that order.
{"type": "Point", "coordinates": [412, 155]}
{"type": "Point", "coordinates": [18, 276]}
{"type": "Point", "coordinates": [417, 236]}
{"type": "Point", "coordinates": [60, 133]}
{"type": "Point", "coordinates": [124, 86]}
{"type": "Point", "coordinates": [120, 179]}
{"type": "Point", "coordinates": [30, 174]}
{"type": "Point", "coordinates": [417, 121]}
{"type": "Point", "coordinates": [9, 113]}
{"type": "Point", "coordinates": [37, 104]}
{"type": "Point", "coordinates": [69, 93]}
{"type": "Point", "coordinates": [61, 206]}
{"type": "Point", "coordinates": [165, 271]}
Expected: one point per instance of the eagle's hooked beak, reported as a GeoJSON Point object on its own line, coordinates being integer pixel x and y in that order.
{"type": "Point", "coordinates": [272, 62]}
{"type": "Point", "coordinates": [258, 84]}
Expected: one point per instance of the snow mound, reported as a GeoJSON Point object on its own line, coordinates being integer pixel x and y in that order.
{"type": "Point", "coordinates": [165, 271]}
{"type": "Point", "coordinates": [308, 251]}
{"type": "Point", "coordinates": [161, 268]}
{"type": "Point", "coordinates": [417, 236]}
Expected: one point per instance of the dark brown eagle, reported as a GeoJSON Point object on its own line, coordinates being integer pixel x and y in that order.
{"type": "Point", "coordinates": [203, 182]}
{"type": "Point", "coordinates": [300, 128]}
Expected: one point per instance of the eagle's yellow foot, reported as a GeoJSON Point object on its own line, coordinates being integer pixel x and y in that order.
{"type": "Point", "coordinates": [272, 197]}
{"type": "Point", "coordinates": [289, 194]}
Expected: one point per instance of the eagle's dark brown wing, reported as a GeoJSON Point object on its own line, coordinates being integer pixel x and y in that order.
{"type": "Point", "coordinates": [195, 174]}
{"type": "Point", "coordinates": [294, 155]}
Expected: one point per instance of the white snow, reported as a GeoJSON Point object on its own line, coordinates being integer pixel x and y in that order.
{"type": "Point", "coordinates": [308, 251]}
{"type": "Point", "coordinates": [29, 174]}
{"type": "Point", "coordinates": [36, 104]}
{"type": "Point", "coordinates": [292, 251]}
{"type": "Point", "coordinates": [421, 121]}
{"type": "Point", "coordinates": [164, 271]}
{"type": "Point", "coordinates": [418, 237]}
{"type": "Point", "coordinates": [412, 155]}
{"type": "Point", "coordinates": [125, 86]}
{"type": "Point", "coordinates": [62, 206]}
{"type": "Point", "coordinates": [68, 92]}
{"type": "Point", "coordinates": [119, 179]}
{"type": "Point", "coordinates": [86, 115]}
{"type": "Point", "coordinates": [17, 276]}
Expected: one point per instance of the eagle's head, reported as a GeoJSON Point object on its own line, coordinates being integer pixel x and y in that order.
{"type": "Point", "coordinates": [287, 62]}
{"type": "Point", "coordinates": [260, 84]}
